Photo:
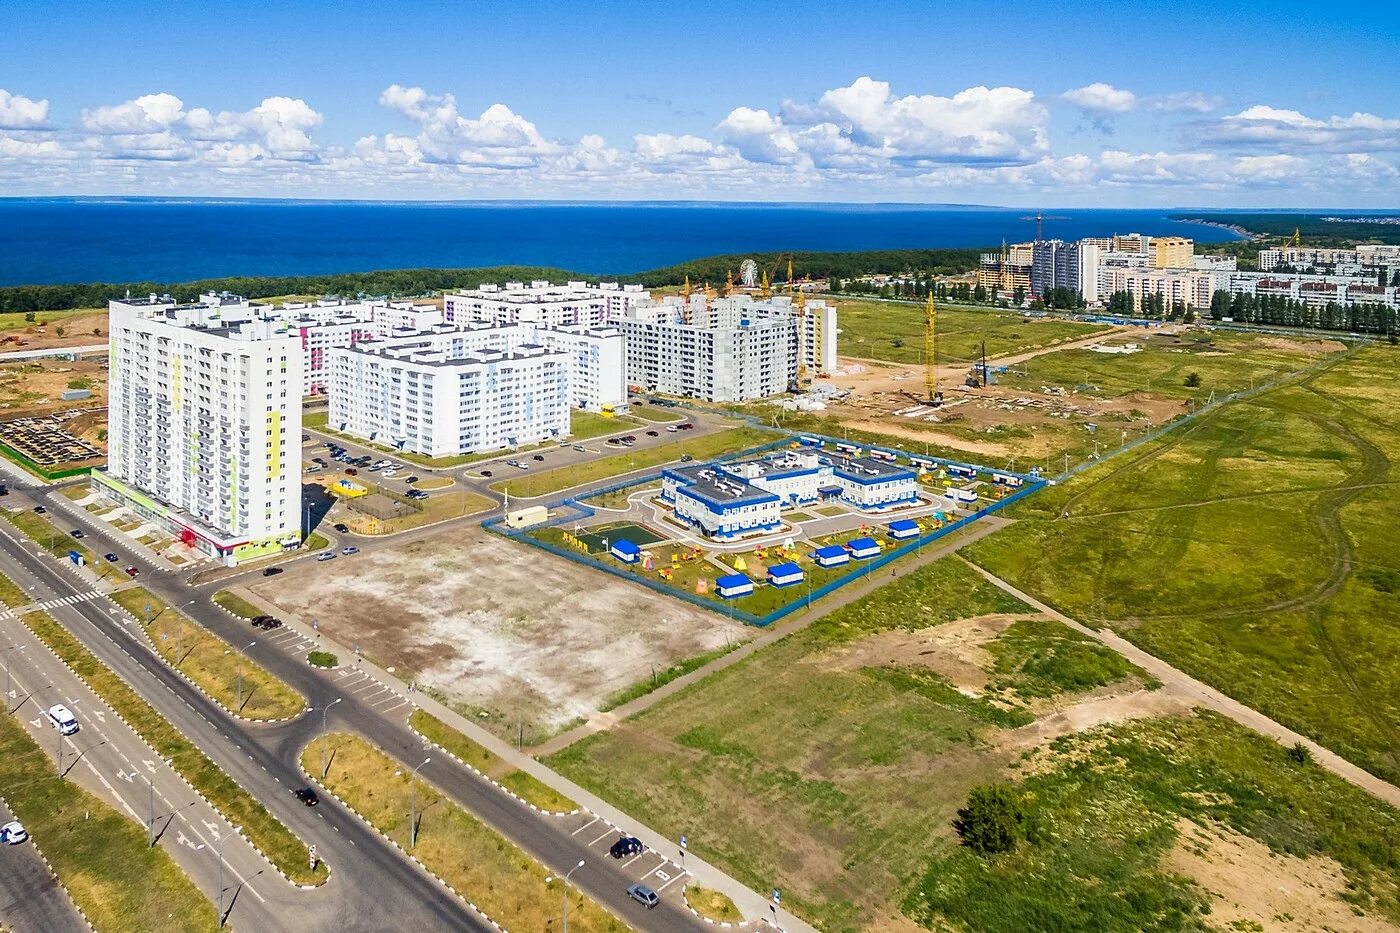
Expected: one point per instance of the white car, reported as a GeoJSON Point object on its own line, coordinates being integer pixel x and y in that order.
{"type": "Point", "coordinates": [390, 472]}
{"type": "Point", "coordinates": [12, 833]}
{"type": "Point", "coordinates": [63, 719]}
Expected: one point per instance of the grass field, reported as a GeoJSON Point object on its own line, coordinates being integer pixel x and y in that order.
{"type": "Point", "coordinates": [237, 605]}
{"type": "Point", "coordinates": [261, 828]}
{"type": "Point", "coordinates": [52, 539]}
{"type": "Point", "coordinates": [657, 414]}
{"type": "Point", "coordinates": [1225, 363]}
{"type": "Point", "coordinates": [890, 331]}
{"type": "Point", "coordinates": [703, 447]}
{"type": "Point", "coordinates": [1253, 548]}
{"type": "Point", "coordinates": [526, 786]}
{"type": "Point", "coordinates": [438, 507]}
{"type": "Point", "coordinates": [472, 858]}
{"type": "Point", "coordinates": [98, 854]}
{"type": "Point", "coordinates": [234, 680]}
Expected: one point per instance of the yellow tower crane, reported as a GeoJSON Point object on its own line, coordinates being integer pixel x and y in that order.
{"type": "Point", "coordinates": [1297, 238]}
{"type": "Point", "coordinates": [931, 348]}
{"type": "Point", "coordinates": [728, 283]}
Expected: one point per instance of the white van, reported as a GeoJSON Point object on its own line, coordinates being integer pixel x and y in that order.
{"type": "Point", "coordinates": [63, 719]}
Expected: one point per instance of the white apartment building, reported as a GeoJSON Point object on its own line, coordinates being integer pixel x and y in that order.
{"type": "Point", "coordinates": [1372, 259]}
{"type": "Point", "coordinates": [1316, 291]}
{"type": "Point", "coordinates": [1185, 287]}
{"type": "Point", "coordinates": [727, 349]}
{"type": "Point", "coordinates": [541, 303]}
{"type": "Point", "coordinates": [454, 390]}
{"type": "Point", "coordinates": [204, 432]}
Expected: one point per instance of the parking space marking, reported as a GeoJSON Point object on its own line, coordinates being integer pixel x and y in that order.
{"type": "Point", "coordinates": [584, 826]}
{"type": "Point", "coordinates": [672, 881]}
{"type": "Point", "coordinates": [605, 835]}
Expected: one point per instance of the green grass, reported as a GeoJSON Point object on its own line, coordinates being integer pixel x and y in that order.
{"type": "Point", "coordinates": [658, 415]}
{"type": "Point", "coordinates": [322, 659]}
{"type": "Point", "coordinates": [715, 905]}
{"type": "Point", "coordinates": [1098, 832]}
{"type": "Point", "coordinates": [234, 680]}
{"type": "Point", "coordinates": [11, 595]}
{"type": "Point", "coordinates": [474, 860]}
{"type": "Point", "coordinates": [99, 855]}
{"type": "Point", "coordinates": [237, 605]}
{"type": "Point", "coordinates": [586, 424]}
{"type": "Point", "coordinates": [316, 419]}
{"type": "Point", "coordinates": [48, 536]}
{"type": "Point", "coordinates": [316, 542]}
{"type": "Point", "coordinates": [797, 768]}
{"type": "Point", "coordinates": [1252, 549]}
{"type": "Point", "coordinates": [703, 447]}
{"type": "Point", "coordinates": [895, 332]}
{"type": "Point", "coordinates": [261, 828]}
{"type": "Point", "coordinates": [663, 677]}
{"type": "Point", "coordinates": [526, 786]}
{"type": "Point", "coordinates": [1040, 658]}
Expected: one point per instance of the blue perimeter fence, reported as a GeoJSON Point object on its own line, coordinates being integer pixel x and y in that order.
{"type": "Point", "coordinates": [578, 511]}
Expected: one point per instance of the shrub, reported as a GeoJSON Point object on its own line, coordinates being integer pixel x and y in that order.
{"type": "Point", "coordinates": [993, 820]}
{"type": "Point", "coordinates": [322, 659]}
{"type": "Point", "coordinates": [1193, 380]}
{"type": "Point", "coordinates": [1300, 753]}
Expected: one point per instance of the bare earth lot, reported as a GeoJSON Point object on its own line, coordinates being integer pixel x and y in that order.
{"type": "Point", "coordinates": [500, 629]}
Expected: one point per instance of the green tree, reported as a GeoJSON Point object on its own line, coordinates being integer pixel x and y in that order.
{"type": "Point", "coordinates": [1018, 295]}
{"type": "Point", "coordinates": [1193, 380]}
{"type": "Point", "coordinates": [994, 819]}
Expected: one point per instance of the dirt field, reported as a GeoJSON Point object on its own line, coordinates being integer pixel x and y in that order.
{"type": "Point", "coordinates": [36, 386]}
{"type": "Point", "coordinates": [43, 332]}
{"type": "Point", "coordinates": [503, 630]}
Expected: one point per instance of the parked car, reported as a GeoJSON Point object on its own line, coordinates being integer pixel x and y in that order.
{"type": "Point", "coordinates": [308, 796]}
{"type": "Point", "coordinates": [314, 468]}
{"type": "Point", "coordinates": [63, 719]}
{"type": "Point", "coordinates": [390, 473]}
{"type": "Point", "coordinates": [579, 448]}
{"type": "Point", "coordinates": [347, 551]}
{"type": "Point", "coordinates": [686, 426]}
{"type": "Point", "coordinates": [375, 468]}
{"type": "Point", "coordinates": [671, 429]}
{"type": "Point", "coordinates": [78, 533]}
{"type": "Point", "coordinates": [110, 558]}
{"type": "Point", "coordinates": [40, 509]}
{"type": "Point", "coordinates": [539, 457]}
{"type": "Point", "coordinates": [321, 460]}
{"type": "Point", "coordinates": [267, 623]}
{"type": "Point", "coordinates": [272, 571]}
{"type": "Point", "coordinates": [13, 833]}
{"type": "Point", "coordinates": [418, 494]}
{"type": "Point", "coordinates": [351, 471]}
{"type": "Point", "coordinates": [625, 846]}
{"type": "Point", "coordinates": [326, 555]}
{"type": "Point", "coordinates": [132, 571]}
{"type": "Point", "coordinates": [686, 458]}
{"type": "Point", "coordinates": [652, 434]}
{"type": "Point", "coordinates": [643, 895]}
{"type": "Point", "coordinates": [411, 480]}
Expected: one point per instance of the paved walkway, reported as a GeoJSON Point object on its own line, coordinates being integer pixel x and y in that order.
{"type": "Point", "coordinates": [1210, 698]}
{"type": "Point", "coordinates": [795, 623]}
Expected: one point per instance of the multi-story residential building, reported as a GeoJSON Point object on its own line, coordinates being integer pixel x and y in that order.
{"type": "Point", "coordinates": [727, 349]}
{"type": "Point", "coordinates": [573, 303]}
{"type": "Point", "coordinates": [204, 424]}
{"type": "Point", "coordinates": [1056, 264]}
{"type": "Point", "coordinates": [1315, 291]}
{"type": "Point", "coordinates": [1008, 270]}
{"type": "Point", "coordinates": [1184, 288]}
{"type": "Point", "coordinates": [1171, 252]}
{"type": "Point", "coordinates": [1380, 262]}
{"type": "Point", "coordinates": [453, 390]}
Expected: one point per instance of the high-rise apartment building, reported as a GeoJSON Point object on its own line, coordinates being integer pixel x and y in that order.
{"type": "Point", "coordinates": [204, 424]}
{"type": "Point", "coordinates": [542, 303]}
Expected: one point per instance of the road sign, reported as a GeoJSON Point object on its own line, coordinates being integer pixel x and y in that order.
{"type": "Point", "coordinates": [777, 896]}
{"type": "Point", "coordinates": [683, 841]}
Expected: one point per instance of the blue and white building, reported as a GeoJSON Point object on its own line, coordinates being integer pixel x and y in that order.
{"type": "Point", "coordinates": [833, 555]}
{"type": "Point", "coordinates": [781, 575]}
{"type": "Point", "coordinates": [733, 586]}
{"type": "Point", "coordinates": [721, 506]}
{"type": "Point", "coordinates": [875, 485]}
{"type": "Point", "coordinates": [903, 529]}
{"type": "Point", "coordinates": [863, 548]}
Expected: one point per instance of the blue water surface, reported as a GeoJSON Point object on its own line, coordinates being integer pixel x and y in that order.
{"type": "Point", "coordinates": [125, 240]}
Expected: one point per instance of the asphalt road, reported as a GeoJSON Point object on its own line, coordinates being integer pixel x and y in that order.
{"type": "Point", "coordinates": [264, 758]}
{"type": "Point", "coordinates": [31, 900]}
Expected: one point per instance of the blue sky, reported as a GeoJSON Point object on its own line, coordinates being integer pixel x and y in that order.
{"type": "Point", "coordinates": [1051, 103]}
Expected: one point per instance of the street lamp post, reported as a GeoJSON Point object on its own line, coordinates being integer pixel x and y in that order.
{"type": "Point", "coordinates": [413, 806]}
{"type": "Point", "coordinates": [566, 893]}
{"type": "Point", "coordinates": [325, 766]}
{"type": "Point", "coordinates": [240, 674]}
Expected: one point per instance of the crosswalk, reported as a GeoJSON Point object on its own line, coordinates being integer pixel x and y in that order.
{"type": "Point", "coordinates": [52, 604]}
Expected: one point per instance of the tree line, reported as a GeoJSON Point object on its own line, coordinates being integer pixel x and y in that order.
{"type": "Point", "coordinates": [410, 282]}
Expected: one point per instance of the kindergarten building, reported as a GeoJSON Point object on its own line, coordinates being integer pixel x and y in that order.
{"type": "Point", "coordinates": [730, 500]}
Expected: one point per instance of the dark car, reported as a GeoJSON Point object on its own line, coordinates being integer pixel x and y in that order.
{"type": "Point", "coordinates": [625, 846]}
{"type": "Point", "coordinates": [686, 458]}
{"type": "Point", "coordinates": [78, 533]}
{"type": "Point", "coordinates": [342, 528]}
{"type": "Point", "coordinates": [653, 434]}
{"type": "Point", "coordinates": [411, 480]}
{"type": "Point", "coordinates": [267, 623]}
{"type": "Point", "coordinates": [110, 558]}
{"type": "Point", "coordinates": [40, 509]}
{"type": "Point", "coordinates": [132, 571]}
{"type": "Point", "coordinates": [539, 457]}
{"type": "Point", "coordinates": [643, 895]}
{"type": "Point", "coordinates": [272, 571]}
{"type": "Point", "coordinates": [351, 471]}
{"type": "Point", "coordinates": [485, 472]}
{"type": "Point", "coordinates": [308, 796]}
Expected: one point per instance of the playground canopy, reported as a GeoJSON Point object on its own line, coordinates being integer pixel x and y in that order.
{"type": "Point", "coordinates": [625, 551]}
{"type": "Point", "coordinates": [735, 584]}
{"type": "Point", "coordinates": [863, 548]}
{"type": "Point", "coordinates": [831, 556]}
{"type": "Point", "coordinates": [785, 574]}
{"type": "Point", "coordinates": [904, 528]}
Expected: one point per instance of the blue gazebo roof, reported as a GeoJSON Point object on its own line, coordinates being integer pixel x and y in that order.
{"type": "Point", "coordinates": [623, 546]}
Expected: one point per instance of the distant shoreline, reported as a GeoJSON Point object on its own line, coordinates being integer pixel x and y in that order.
{"type": "Point", "coordinates": [1233, 228]}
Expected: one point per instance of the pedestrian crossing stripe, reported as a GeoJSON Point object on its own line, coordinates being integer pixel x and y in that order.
{"type": "Point", "coordinates": [67, 600]}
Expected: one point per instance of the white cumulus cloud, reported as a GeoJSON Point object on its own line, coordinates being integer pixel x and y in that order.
{"type": "Point", "coordinates": [18, 112]}
{"type": "Point", "coordinates": [1263, 125]}
{"type": "Point", "coordinates": [1101, 100]}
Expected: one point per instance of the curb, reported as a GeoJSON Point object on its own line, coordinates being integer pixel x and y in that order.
{"type": "Point", "coordinates": [497, 784]}
{"type": "Point", "coordinates": [176, 771]}
{"type": "Point", "coordinates": [59, 881]}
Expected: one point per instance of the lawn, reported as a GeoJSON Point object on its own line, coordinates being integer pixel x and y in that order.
{"type": "Point", "coordinates": [657, 414]}
{"type": "Point", "coordinates": [703, 447]}
{"type": "Point", "coordinates": [525, 786]}
{"type": "Point", "coordinates": [230, 677]}
{"type": "Point", "coordinates": [895, 332]}
{"type": "Point", "coordinates": [48, 536]}
{"type": "Point", "coordinates": [11, 595]}
{"type": "Point", "coordinates": [473, 859]}
{"type": "Point", "coordinates": [237, 605]}
{"type": "Point", "coordinates": [98, 854]}
{"type": "Point", "coordinates": [809, 766]}
{"type": "Point", "coordinates": [586, 424]}
{"type": "Point", "coordinates": [1223, 362]}
{"type": "Point", "coordinates": [1253, 549]}
{"type": "Point", "coordinates": [261, 828]}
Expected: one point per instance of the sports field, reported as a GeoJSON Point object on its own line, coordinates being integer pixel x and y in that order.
{"type": "Point", "coordinates": [1253, 548]}
{"type": "Point", "coordinates": [599, 538]}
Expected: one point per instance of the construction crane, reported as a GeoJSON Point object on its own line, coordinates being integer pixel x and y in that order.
{"type": "Point", "coordinates": [799, 302]}
{"type": "Point", "coordinates": [1296, 240]}
{"type": "Point", "coordinates": [685, 301]}
{"type": "Point", "coordinates": [931, 349]}
{"type": "Point", "coordinates": [1040, 219]}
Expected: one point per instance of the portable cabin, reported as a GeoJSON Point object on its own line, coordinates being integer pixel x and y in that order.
{"type": "Point", "coordinates": [626, 551]}
{"type": "Point", "coordinates": [903, 529]}
{"type": "Point", "coordinates": [781, 575]}
{"type": "Point", "coordinates": [831, 556]}
{"type": "Point", "coordinates": [863, 548]}
{"type": "Point", "coordinates": [733, 586]}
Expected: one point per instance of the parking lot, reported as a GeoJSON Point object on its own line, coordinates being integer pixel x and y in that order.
{"type": "Point", "coordinates": [666, 876]}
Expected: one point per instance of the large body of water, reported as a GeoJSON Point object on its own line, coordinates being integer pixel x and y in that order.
{"type": "Point", "coordinates": [128, 240]}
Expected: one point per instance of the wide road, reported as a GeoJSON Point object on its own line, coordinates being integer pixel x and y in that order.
{"type": "Point", "coordinates": [31, 900]}
{"type": "Point", "coordinates": [369, 877]}
{"type": "Point", "coordinates": [266, 758]}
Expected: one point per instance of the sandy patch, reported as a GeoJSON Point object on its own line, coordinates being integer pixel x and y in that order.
{"type": "Point", "coordinates": [1129, 703]}
{"type": "Point", "coordinates": [1252, 885]}
{"type": "Point", "coordinates": [499, 626]}
{"type": "Point", "coordinates": [953, 650]}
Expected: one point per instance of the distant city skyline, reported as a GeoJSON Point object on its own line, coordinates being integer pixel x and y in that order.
{"type": "Point", "coordinates": [1073, 105]}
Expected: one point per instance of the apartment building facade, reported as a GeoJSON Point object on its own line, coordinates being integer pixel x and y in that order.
{"type": "Point", "coordinates": [542, 303]}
